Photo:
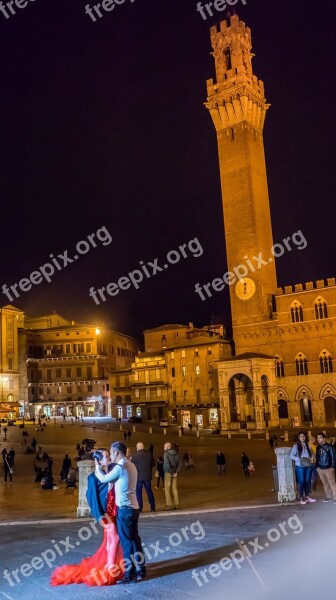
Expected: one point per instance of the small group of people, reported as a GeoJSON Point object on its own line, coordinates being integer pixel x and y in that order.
{"type": "Point", "coordinates": [311, 459]}
{"type": "Point", "coordinates": [167, 468]}
{"type": "Point", "coordinates": [247, 465]}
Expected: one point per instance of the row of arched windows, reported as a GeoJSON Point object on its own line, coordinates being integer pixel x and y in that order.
{"type": "Point", "coordinates": [320, 308]}
{"type": "Point", "coordinates": [301, 363]}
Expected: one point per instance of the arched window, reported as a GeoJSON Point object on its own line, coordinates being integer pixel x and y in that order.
{"type": "Point", "coordinates": [198, 370]}
{"type": "Point", "coordinates": [279, 367]}
{"type": "Point", "coordinates": [326, 362]}
{"type": "Point", "coordinates": [296, 312]}
{"type": "Point", "coordinates": [321, 309]}
{"type": "Point", "coordinates": [301, 364]}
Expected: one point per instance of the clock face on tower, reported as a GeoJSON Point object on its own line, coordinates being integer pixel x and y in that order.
{"type": "Point", "coordinates": [245, 288]}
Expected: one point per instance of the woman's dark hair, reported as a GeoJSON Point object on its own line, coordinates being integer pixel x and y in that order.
{"type": "Point", "coordinates": [299, 444]}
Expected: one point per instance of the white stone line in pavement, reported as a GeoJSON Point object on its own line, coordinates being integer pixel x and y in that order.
{"type": "Point", "coordinates": [6, 596]}
{"type": "Point", "coordinates": [151, 515]}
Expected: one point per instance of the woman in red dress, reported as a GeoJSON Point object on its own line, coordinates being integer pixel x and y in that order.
{"type": "Point", "coordinates": [105, 566]}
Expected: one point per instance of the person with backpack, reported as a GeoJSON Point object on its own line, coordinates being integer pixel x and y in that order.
{"type": "Point", "coordinates": [171, 466]}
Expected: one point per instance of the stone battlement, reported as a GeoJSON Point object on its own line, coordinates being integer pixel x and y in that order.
{"type": "Point", "coordinates": [235, 24]}
{"type": "Point", "coordinates": [305, 287]}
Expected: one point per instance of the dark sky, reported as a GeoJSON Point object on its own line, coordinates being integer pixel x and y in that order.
{"type": "Point", "coordinates": [103, 124]}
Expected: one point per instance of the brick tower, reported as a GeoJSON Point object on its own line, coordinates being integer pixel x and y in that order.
{"type": "Point", "coordinates": [237, 105]}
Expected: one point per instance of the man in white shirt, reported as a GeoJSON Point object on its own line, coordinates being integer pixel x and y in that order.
{"type": "Point", "coordinates": [124, 477]}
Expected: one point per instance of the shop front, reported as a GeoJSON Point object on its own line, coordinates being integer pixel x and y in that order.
{"type": "Point", "coordinates": [201, 416]}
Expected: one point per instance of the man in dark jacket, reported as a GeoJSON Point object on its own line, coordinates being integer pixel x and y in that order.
{"type": "Point", "coordinates": [171, 465]}
{"type": "Point", "coordinates": [325, 464]}
{"type": "Point", "coordinates": [143, 460]}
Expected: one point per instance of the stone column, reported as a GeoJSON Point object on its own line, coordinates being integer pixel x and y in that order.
{"type": "Point", "coordinates": [286, 475]}
{"type": "Point", "coordinates": [224, 412]}
{"type": "Point", "coordinates": [85, 468]}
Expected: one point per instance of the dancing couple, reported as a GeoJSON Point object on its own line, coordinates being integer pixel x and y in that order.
{"type": "Point", "coordinates": [111, 492]}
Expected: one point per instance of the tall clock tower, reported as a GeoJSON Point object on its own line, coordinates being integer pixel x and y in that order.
{"type": "Point", "coordinates": [237, 105]}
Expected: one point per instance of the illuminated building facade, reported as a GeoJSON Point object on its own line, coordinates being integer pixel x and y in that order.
{"type": "Point", "coordinates": [10, 398]}
{"type": "Point", "coordinates": [68, 365]}
{"type": "Point", "coordinates": [175, 377]}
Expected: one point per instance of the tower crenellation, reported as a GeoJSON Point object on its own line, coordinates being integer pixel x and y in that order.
{"type": "Point", "coordinates": [236, 95]}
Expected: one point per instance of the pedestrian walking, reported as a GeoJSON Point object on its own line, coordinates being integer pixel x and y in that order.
{"type": "Point", "coordinates": [185, 458]}
{"type": "Point", "coordinates": [302, 454]}
{"type": "Point", "coordinates": [325, 465]}
{"type": "Point", "coordinates": [5, 432]}
{"type": "Point", "coordinates": [159, 474]}
{"type": "Point", "coordinates": [12, 455]}
{"type": "Point", "coordinates": [125, 436]}
{"type": "Point", "coordinates": [221, 462]}
{"type": "Point", "coordinates": [245, 461]}
{"type": "Point", "coordinates": [171, 466]}
{"type": "Point", "coordinates": [144, 463]}
{"type": "Point", "coordinates": [271, 442]}
{"type": "Point", "coordinates": [129, 435]}
{"type": "Point", "coordinates": [8, 467]}
{"type": "Point", "coordinates": [65, 467]}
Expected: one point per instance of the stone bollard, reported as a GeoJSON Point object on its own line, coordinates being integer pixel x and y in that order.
{"type": "Point", "coordinates": [197, 433]}
{"type": "Point", "coordinates": [85, 468]}
{"type": "Point", "coordinates": [286, 477]}
{"type": "Point", "coordinates": [229, 435]}
{"type": "Point", "coordinates": [134, 429]}
{"type": "Point", "coordinates": [180, 432]}
{"type": "Point", "coordinates": [267, 435]}
{"type": "Point", "coordinates": [120, 428]}
{"type": "Point", "coordinates": [150, 430]}
{"type": "Point", "coordinates": [249, 435]}
{"type": "Point", "coordinates": [164, 431]}
{"type": "Point", "coordinates": [286, 436]}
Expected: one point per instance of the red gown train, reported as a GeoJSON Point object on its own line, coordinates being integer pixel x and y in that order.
{"type": "Point", "coordinates": [99, 569]}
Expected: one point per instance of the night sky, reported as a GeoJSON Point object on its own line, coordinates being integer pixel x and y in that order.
{"type": "Point", "coordinates": [103, 124]}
